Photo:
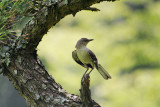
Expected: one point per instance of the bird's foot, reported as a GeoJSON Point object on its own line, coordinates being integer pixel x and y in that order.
{"type": "Point", "coordinates": [85, 76]}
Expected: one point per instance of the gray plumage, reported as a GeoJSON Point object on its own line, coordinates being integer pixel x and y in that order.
{"type": "Point", "coordinates": [86, 58]}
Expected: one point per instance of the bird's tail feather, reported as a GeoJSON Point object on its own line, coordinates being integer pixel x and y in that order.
{"type": "Point", "coordinates": [103, 72]}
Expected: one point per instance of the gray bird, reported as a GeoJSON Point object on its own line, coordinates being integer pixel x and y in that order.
{"type": "Point", "coordinates": [86, 58]}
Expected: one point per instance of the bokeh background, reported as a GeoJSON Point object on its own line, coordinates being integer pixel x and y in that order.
{"type": "Point", "coordinates": [127, 44]}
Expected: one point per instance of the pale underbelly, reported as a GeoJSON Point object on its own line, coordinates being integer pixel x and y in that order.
{"type": "Point", "coordinates": [84, 57]}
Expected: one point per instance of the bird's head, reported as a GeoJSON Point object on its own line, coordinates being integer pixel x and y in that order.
{"type": "Point", "coordinates": [83, 42]}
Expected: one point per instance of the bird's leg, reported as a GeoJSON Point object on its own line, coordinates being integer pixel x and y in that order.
{"type": "Point", "coordinates": [85, 72]}
{"type": "Point", "coordinates": [90, 71]}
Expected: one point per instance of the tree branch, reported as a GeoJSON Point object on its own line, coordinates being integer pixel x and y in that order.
{"type": "Point", "coordinates": [35, 84]}
{"type": "Point", "coordinates": [20, 64]}
{"type": "Point", "coordinates": [85, 93]}
{"type": "Point", "coordinates": [51, 14]}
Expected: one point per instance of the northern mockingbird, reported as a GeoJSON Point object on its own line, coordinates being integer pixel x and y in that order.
{"type": "Point", "coordinates": [86, 58]}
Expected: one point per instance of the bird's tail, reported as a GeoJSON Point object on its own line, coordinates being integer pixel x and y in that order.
{"type": "Point", "coordinates": [103, 72]}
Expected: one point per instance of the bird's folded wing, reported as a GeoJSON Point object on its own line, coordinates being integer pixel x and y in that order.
{"type": "Point", "coordinates": [75, 57]}
{"type": "Point", "coordinates": [93, 57]}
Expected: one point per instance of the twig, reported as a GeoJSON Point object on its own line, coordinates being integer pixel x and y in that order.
{"type": "Point", "coordinates": [92, 9]}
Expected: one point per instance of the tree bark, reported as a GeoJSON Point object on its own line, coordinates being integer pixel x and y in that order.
{"type": "Point", "coordinates": [20, 64]}
{"type": "Point", "coordinates": [85, 93]}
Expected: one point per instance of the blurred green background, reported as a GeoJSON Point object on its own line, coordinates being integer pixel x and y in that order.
{"type": "Point", "coordinates": [127, 44]}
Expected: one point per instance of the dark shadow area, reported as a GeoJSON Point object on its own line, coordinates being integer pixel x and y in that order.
{"type": "Point", "coordinates": [9, 97]}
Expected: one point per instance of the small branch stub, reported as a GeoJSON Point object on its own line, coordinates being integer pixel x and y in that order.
{"type": "Point", "coordinates": [85, 93]}
{"type": "Point", "coordinates": [92, 9]}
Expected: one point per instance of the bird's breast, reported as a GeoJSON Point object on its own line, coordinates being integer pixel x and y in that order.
{"type": "Point", "coordinates": [84, 56]}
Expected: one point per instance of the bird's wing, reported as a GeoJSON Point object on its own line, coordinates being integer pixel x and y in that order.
{"type": "Point", "coordinates": [75, 57]}
{"type": "Point", "coordinates": [94, 58]}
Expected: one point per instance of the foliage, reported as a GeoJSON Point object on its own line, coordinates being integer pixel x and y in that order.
{"type": "Point", "coordinates": [13, 13]}
{"type": "Point", "coordinates": [13, 16]}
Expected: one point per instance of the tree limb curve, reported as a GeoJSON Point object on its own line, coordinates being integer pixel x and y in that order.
{"type": "Point", "coordinates": [21, 65]}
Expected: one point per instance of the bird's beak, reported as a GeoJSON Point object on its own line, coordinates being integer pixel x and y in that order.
{"type": "Point", "coordinates": [91, 39]}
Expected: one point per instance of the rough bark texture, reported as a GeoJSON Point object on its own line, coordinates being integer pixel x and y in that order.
{"type": "Point", "coordinates": [34, 83]}
{"type": "Point", "coordinates": [85, 93]}
{"type": "Point", "coordinates": [51, 14]}
{"type": "Point", "coordinates": [20, 64]}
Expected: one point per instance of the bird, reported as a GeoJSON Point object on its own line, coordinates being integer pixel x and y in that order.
{"type": "Point", "coordinates": [87, 59]}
